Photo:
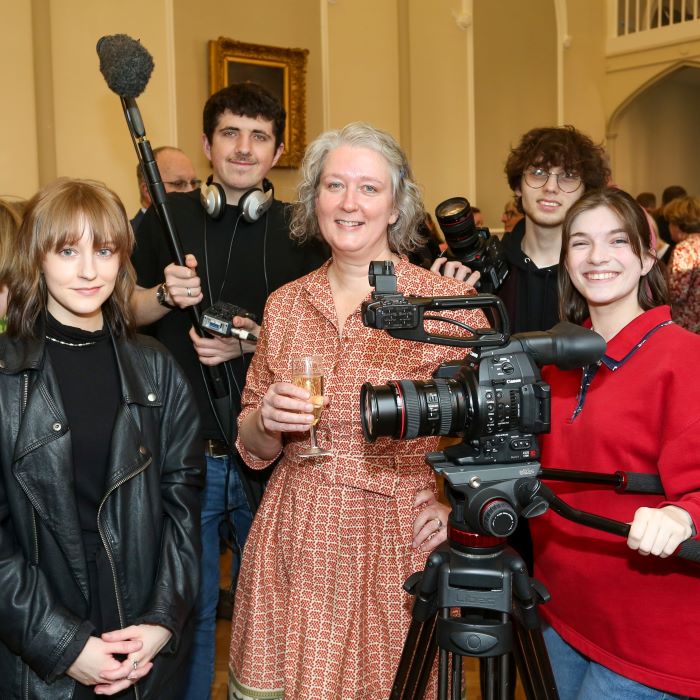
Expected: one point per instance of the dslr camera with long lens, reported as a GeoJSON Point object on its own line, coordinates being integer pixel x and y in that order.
{"type": "Point", "coordinates": [471, 245]}
{"type": "Point", "coordinates": [494, 400]}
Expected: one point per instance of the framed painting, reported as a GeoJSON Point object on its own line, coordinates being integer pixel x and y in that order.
{"type": "Point", "coordinates": [281, 71]}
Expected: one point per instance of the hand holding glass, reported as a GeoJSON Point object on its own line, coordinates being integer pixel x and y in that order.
{"type": "Point", "coordinates": [307, 373]}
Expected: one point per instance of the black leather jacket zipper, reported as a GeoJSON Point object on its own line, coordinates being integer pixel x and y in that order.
{"type": "Point", "coordinates": [110, 556]}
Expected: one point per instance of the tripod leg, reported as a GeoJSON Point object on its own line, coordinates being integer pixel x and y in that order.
{"type": "Point", "coordinates": [444, 666]}
{"type": "Point", "coordinates": [456, 677]}
{"type": "Point", "coordinates": [413, 672]}
{"type": "Point", "coordinates": [533, 664]}
{"type": "Point", "coordinates": [443, 674]}
{"type": "Point", "coordinates": [488, 678]}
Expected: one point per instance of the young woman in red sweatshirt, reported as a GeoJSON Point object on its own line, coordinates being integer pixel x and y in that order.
{"type": "Point", "coordinates": [624, 618]}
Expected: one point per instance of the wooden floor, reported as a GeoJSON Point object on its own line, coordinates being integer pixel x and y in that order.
{"type": "Point", "coordinates": [223, 636]}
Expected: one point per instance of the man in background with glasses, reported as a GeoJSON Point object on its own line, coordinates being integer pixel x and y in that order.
{"type": "Point", "coordinates": [548, 171]}
{"type": "Point", "coordinates": [176, 171]}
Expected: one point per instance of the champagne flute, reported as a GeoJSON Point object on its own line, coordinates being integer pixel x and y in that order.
{"type": "Point", "coordinates": [307, 373]}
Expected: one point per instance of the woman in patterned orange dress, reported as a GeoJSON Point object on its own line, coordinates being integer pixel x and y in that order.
{"type": "Point", "coordinates": [320, 612]}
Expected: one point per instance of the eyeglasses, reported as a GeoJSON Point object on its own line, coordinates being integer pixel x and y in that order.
{"type": "Point", "coordinates": [538, 177]}
{"type": "Point", "coordinates": [184, 185]}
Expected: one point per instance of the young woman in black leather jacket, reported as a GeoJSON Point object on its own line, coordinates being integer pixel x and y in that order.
{"type": "Point", "coordinates": [100, 467]}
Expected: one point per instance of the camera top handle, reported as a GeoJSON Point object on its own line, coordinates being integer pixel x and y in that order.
{"type": "Point", "coordinates": [495, 336]}
{"type": "Point", "coordinates": [403, 317]}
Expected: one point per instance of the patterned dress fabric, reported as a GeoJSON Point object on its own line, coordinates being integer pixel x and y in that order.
{"type": "Point", "coordinates": [684, 283]}
{"type": "Point", "coordinates": [320, 611]}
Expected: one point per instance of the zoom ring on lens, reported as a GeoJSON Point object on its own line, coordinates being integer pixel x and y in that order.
{"type": "Point", "coordinates": [411, 408]}
{"type": "Point", "coordinates": [445, 403]}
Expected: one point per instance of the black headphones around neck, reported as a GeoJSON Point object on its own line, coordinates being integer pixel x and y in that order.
{"type": "Point", "coordinates": [253, 203]}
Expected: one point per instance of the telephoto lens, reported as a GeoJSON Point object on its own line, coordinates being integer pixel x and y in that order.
{"type": "Point", "coordinates": [456, 221]}
{"type": "Point", "coordinates": [407, 409]}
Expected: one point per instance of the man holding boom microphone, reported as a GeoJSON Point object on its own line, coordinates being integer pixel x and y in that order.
{"type": "Point", "coordinates": [238, 250]}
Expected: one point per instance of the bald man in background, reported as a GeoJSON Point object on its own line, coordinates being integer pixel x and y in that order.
{"type": "Point", "coordinates": [176, 171]}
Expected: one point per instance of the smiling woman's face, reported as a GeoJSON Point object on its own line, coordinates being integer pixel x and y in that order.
{"type": "Point", "coordinates": [355, 203]}
{"type": "Point", "coordinates": [602, 263]}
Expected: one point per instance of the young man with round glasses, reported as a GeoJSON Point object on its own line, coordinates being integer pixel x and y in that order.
{"type": "Point", "coordinates": [548, 171]}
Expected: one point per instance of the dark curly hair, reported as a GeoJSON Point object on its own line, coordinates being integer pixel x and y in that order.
{"type": "Point", "coordinates": [246, 100]}
{"type": "Point", "coordinates": [563, 147]}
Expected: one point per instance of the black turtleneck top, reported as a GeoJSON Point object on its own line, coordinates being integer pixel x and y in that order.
{"type": "Point", "coordinates": [86, 368]}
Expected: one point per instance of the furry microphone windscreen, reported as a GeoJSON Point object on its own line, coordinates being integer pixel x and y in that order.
{"type": "Point", "coordinates": [125, 64]}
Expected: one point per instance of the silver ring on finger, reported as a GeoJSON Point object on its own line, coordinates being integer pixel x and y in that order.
{"type": "Point", "coordinates": [189, 291]}
{"type": "Point", "coordinates": [439, 522]}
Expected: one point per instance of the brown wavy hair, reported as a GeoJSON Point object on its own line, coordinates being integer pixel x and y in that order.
{"type": "Point", "coordinates": [684, 212]}
{"type": "Point", "coordinates": [55, 217]}
{"type": "Point", "coordinates": [10, 220]}
{"type": "Point", "coordinates": [561, 146]}
{"type": "Point", "coordinates": [652, 290]}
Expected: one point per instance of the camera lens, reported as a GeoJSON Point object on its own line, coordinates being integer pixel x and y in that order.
{"type": "Point", "coordinates": [457, 224]}
{"type": "Point", "coordinates": [407, 409]}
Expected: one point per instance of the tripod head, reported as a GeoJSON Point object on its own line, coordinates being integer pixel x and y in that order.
{"type": "Point", "coordinates": [488, 499]}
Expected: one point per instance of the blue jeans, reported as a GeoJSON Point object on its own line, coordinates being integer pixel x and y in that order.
{"type": "Point", "coordinates": [201, 671]}
{"type": "Point", "coordinates": [579, 678]}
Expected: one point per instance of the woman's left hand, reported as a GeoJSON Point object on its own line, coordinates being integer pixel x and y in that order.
{"type": "Point", "coordinates": [137, 665]}
{"type": "Point", "coordinates": [429, 527]}
{"type": "Point", "coordinates": [659, 531]}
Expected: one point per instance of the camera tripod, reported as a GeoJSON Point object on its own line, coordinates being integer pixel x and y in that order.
{"type": "Point", "coordinates": [498, 601]}
{"type": "Point", "coordinates": [476, 573]}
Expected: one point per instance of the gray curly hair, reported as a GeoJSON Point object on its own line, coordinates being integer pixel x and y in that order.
{"type": "Point", "coordinates": [404, 235]}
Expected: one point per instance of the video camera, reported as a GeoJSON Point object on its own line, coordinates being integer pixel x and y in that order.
{"type": "Point", "coordinates": [494, 399]}
{"type": "Point", "coordinates": [471, 245]}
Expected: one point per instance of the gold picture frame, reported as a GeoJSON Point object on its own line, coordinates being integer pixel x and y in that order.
{"type": "Point", "coordinates": [282, 71]}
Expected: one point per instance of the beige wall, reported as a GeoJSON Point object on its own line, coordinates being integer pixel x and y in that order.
{"type": "Point", "coordinates": [584, 68]}
{"type": "Point", "coordinates": [404, 65]}
{"type": "Point", "coordinates": [665, 120]}
{"type": "Point", "coordinates": [19, 174]}
{"type": "Point", "coordinates": [92, 137]}
{"type": "Point", "coordinates": [78, 128]}
{"type": "Point", "coordinates": [516, 77]}
{"type": "Point", "coordinates": [363, 71]}
{"type": "Point", "coordinates": [438, 70]}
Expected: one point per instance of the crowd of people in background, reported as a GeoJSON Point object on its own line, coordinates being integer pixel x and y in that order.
{"type": "Point", "coordinates": [123, 468]}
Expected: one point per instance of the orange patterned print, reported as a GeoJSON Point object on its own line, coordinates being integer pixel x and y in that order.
{"type": "Point", "coordinates": [684, 283]}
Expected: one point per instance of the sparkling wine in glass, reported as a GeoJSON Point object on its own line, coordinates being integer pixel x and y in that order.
{"type": "Point", "coordinates": [307, 373]}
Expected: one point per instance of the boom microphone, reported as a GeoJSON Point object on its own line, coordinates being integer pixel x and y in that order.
{"type": "Point", "coordinates": [125, 64]}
